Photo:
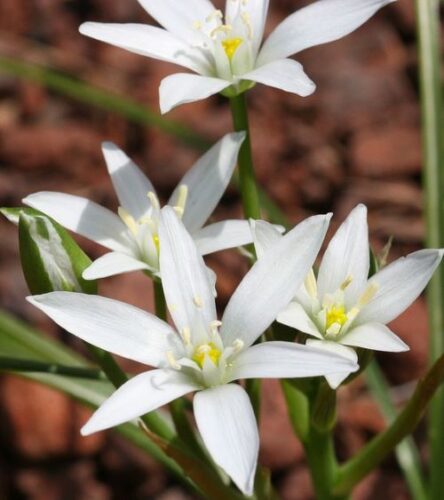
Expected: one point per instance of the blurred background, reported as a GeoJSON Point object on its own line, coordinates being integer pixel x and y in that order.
{"type": "Point", "coordinates": [357, 139]}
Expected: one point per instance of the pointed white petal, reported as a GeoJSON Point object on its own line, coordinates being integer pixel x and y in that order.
{"type": "Point", "coordinates": [347, 256]}
{"type": "Point", "coordinates": [179, 17]}
{"type": "Point", "coordinates": [272, 282]}
{"type": "Point", "coordinates": [335, 379]}
{"type": "Point", "coordinates": [223, 235]}
{"type": "Point", "coordinates": [148, 41]}
{"type": "Point", "coordinates": [265, 235]}
{"type": "Point", "coordinates": [320, 22]}
{"type": "Point", "coordinates": [288, 360]}
{"type": "Point", "coordinates": [111, 325]}
{"type": "Point", "coordinates": [207, 180]}
{"type": "Point", "coordinates": [399, 284]}
{"type": "Point", "coordinates": [295, 316]}
{"type": "Point", "coordinates": [130, 183]}
{"type": "Point", "coordinates": [226, 422]}
{"type": "Point", "coordinates": [284, 74]}
{"type": "Point", "coordinates": [185, 281]}
{"type": "Point", "coordinates": [111, 264]}
{"type": "Point", "coordinates": [140, 395]}
{"type": "Point", "coordinates": [374, 336]}
{"type": "Point", "coordinates": [257, 15]}
{"type": "Point", "coordinates": [84, 217]}
{"type": "Point", "coordinates": [183, 88]}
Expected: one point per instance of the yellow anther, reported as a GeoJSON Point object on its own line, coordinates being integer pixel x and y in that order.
{"type": "Point", "coordinates": [335, 315]}
{"type": "Point", "coordinates": [197, 25]}
{"type": "Point", "coordinates": [214, 326]}
{"type": "Point", "coordinates": [368, 294]}
{"type": "Point", "coordinates": [154, 200]}
{"type": "Point", "coordinates": [334, 329]}
{"type": "Point", "coordinates": [223, 28]}
{"type": "Point", "coordinates": [128, 220]}
{"type": "Point", "coordinates": [179, 211]}
{"type": "Point", "coordinates": [311, 285]}
{"type": "Point", "coordinates": [346, 283]}
{"type": "Point", "coordinates": [172, 361]}
{"type": "Point", "coordinates": [156, 242]}
{"type": "Point", "coordinates": [216, 14]}
{"type": "Point", "coordinates": [186, 335]}
{"type": "Point", "coordinates": [197, 301]}
{"type": "Point", "coordinates": [231, 45]}
{"type": "Point", "coordinates": [204, 350]}
{"type": "Point", "coordinates": [238, 345]}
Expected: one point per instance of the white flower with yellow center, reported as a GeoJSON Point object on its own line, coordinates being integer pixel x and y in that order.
{"type": "Point", "coordinates": [132, 234]}
{"type": "Point", "coordinates": [342, 308]}
{"type": "Point", "coordinates": [203, 354]}
{"type": "Point", "coordinates": [225, 50]}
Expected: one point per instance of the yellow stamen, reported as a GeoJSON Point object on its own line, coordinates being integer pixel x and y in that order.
{"type": "Point", "coordinates": [128, 220]}
{"type": "Point", "coordinates": [231, 45]}
{"type": "Point", "coordinates": [172, 361]}
{"type": "Point", "coordinates": [156, 242]}
{"type": "Point", "coordinates": [335, 314]}
{"type": "Point", "coordinates": [154, 200]}
{"type": "Point", "coordinates": [346, 283]}
{"type": "Point", "coordinates": [311, 285]}
{"type": "Point", "coordinates": [368, 294]}
{"type": "Point", "coordinates": [197, 301]}
{"type": "Point", "coordinates": [186, 335]}
{"type": "Point", "coordinates": [204, 350]}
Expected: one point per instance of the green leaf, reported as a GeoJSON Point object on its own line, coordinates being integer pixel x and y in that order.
{"type": "Point", "coordinates": [51, 259]}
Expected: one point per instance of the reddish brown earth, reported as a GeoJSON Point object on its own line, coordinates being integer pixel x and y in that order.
{"type": "Point", "coordinates": [356, 140]}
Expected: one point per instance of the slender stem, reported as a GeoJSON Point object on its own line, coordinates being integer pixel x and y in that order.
{"type": "Point", "coordinates": [382, 445]}
{"type": "Point", "coordinates": [406, 451]}
{"type": "Point", "coordinates": [25, 365]}
{"type": "Point", "coordinates": [320, 453]}
{"type": "Point", "coordinates": [247, 179]}
{"type": "Point", "coordinates": [428, 23]}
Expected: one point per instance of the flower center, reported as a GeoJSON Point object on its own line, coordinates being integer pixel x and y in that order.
{"type": "Point", "coordinates": [336, 315]}
{"type": "Point", "coordinates": [204, 350]}
{"type": "Point", "coordinates": [231, 45]}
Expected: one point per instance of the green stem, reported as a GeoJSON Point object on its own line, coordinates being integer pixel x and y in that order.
{"type": "Point", "coordinates": [351, 473]}
{"type": "Point", "coordinates": [25, 365]}
{"type": "Point", "coordinates": [320, 453]}
{"type": "Point", "coordinates": [428, 23]}
{"type": "Point", "coordinates": [406, 452]}
{"type": "Point", "coordinates": [247, 179]}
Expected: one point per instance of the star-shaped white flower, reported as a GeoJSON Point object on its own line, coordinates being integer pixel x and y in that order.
{"type": "Point", "coordinates": [225, 50]}
{"type": "Point", "coordinates": [132, 235]}
{"type": "Point", "coordinates": [344, 309]}
{"type": "Point", "coordinates": [203, 354]}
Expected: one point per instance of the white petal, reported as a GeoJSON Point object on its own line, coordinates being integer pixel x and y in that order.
{"type": "Point", "coordinates": [284, 74]}
{"type": "Point", "coordinates": [374, 336]}
{"type": "Point", "coordinates": [84, 217]}
{"type": "Point", "coordinates": [295, 316]}
{"type": "Point", "coordinates": [111, 325]}
{"type": "Point", "coordinates": [226, 422]}
{"type": "Point", "coordinates": [185, 281]}
{"type": "Point", "coordinates": [223, 235]}
{"type": "Point", "coordinates": [335, 379]}
{"type": "Point", "coordinates": [207, 180]}
{"type": "Point", "coordinates": [265, 235]}
{"type": "Point", "coordinates": [148, 41]}
{"type": "Point", "coordinates": [288, 360]}
{"type": "Point", "coordinates": [179, 17]}
{"type": "Point", "coordinates": [399, 284]}
{"type": "Point", "coordinates": [257, 15]}
{"type": "Point", "coordinates": [111, 264]}
{"type": "Point", "coordinates": [320, 22]}
{"type": "Point", "coordinates": [347, 256]}
{"type": "Point", "coordinates": [140, 395]}
{"type": "Point", "coordinates": [130, 183]}
{"type": "Point", "coordinates": [183, 88]}
{"type": "Point", "coordinates": [272, 282]}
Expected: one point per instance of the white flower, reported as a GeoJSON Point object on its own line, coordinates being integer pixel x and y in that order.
{"type": "Point", "coordinates": [226, 52]}
{"type": "Point", "coordinates": [201, 353]}
{"type": "Point", "coordinates": [342, 307]}
{"type": "Point", "coordinates": [132, 235]}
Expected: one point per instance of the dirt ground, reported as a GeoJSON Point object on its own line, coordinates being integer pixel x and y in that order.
{"type": "Point", "coordinates": [357, 139]}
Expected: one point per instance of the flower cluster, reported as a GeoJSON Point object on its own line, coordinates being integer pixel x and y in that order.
{"type": "Point", "coordinates": [335, 307]}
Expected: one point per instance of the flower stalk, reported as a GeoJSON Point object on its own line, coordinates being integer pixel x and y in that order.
{"type": "Point", "coordinates": [428, 25]}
